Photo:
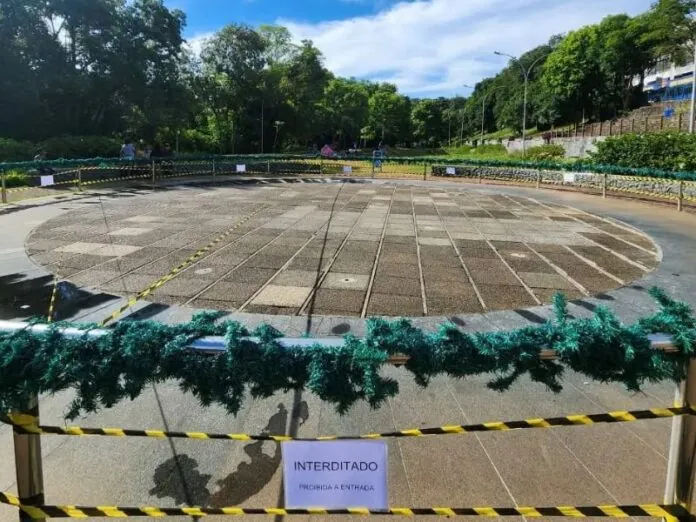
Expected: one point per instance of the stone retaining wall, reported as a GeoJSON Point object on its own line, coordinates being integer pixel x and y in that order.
{"type": "Point", "coordinates": [668, 189]}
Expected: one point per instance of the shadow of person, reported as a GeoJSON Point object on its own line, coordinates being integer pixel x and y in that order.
{"type": "Point", "coordinates": [250, 477]}
{"type": "Point", "coordinates": [178, 478]}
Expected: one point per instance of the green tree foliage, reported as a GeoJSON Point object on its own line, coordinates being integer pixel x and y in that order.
{"type": "Point", "coordinates": [116, 68]}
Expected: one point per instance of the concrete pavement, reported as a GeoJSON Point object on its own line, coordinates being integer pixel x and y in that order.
{"type": "Point", "coordinates": [586, 465]}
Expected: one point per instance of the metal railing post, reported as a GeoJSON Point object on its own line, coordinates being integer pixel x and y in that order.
{"type": "Point", "coordinates": [268, 167]}
{"type": "Point", "coordinates": [425, 171]}
{"type": "Point", "coordinates": [153, 175]}
{"type": "Point", "coordinates": [213, 171]}
{"type": "Point", "coordinates": [321, 164]}
{"type": "Point", "coordinates": [538, 180]}
{"type": "Point", "coordinates": [680, 199]}
{"type": "Point", "coordinates": [3, 188]}
{"type": "Point", "coordinates": [79, 180]}
{"type": "Point", "coordinates": [604, 185]}
{"type": "Point", "coordinates": [680, 467]}
{"type": "Point", "coordinates": [28, 465]}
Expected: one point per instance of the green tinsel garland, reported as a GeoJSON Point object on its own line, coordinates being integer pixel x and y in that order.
{"type": "Point", "coordinates": [105, 370]}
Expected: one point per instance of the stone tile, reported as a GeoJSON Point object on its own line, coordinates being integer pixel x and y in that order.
{"type": "Point", "coordinates": [115, 250]}
{"type": "Point", "coordinates": [80, 248]}
{"type": "Point", "coordinates": [145, 219]}
{"type": "Point", "coordinates": [545, 280]}
{"type": "Point", "coordinates": [500, 297]}
{"type": "Point", "coordinates": [398, 270]}
{"type": "Point", "coordinates": [94, 277]}
{"type": "Point", "coordinates": [296, 278]}
{"type": "Point", "coordinates": [333, 300]}
{"type": "Point", "coordinates": [130, 231]}
{"type": "Point", "coordinates": [397, 286]}
{"type": "Point", "coordinates": [442, 305]}
{"type": "Point", "coordinates": [434, 241]}
{"type": "Point", "coordinates": [345, 281]}
{"type": "Point", "coordinates": [394, 305]}
{"type": "Point", "coordinates": [128, 284]}
{"type": "Point", "coordinates": [233, 293]}
{"type": "Point", "coordinates": [183, 286]}
{"type": "Point", "coordinates": [256, 276]}
{"type": "Point", "coordinates": [276, 295]}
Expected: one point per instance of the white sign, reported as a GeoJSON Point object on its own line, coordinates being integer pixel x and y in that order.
{"type": "Point", "coordinates": [347, 169]}
{"type": "Point", "coordinates": [568, 177]}
{"type": "Point", "coordinates": [336, 474]}
{"type": "Point", "coordinates": [47, 180]}
{"type": "Point", "coordinates": [241, 168]}
{"type": "Point", "coordinates": [451, 171]}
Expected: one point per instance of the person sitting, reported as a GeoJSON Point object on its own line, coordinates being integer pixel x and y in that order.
{"type": "Point", "coordinates": [127, 150]}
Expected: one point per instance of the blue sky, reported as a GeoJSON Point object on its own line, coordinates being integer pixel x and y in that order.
{"type": "Point", "coordinates": [425, 47]}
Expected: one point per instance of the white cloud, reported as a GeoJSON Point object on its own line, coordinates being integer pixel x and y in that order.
{"type": "Point", "coordinates": [432, 47]}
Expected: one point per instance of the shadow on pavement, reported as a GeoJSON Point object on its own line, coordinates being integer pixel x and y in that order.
{"type": "Point", "coordinates": [22, 297]}
{"type": "Point", "coordinates": [178, 478]}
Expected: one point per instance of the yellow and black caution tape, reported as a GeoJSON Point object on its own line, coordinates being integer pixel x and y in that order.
{"type": "Point", "coordinates": [28, 424]}
{"type": "Point", "coordinates": [52, 302]}
{"type": "Point", "coordinates": [175, 271]}
{"type": "Point", "coordinates": [606, 511]}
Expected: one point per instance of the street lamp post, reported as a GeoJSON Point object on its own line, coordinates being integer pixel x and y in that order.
{"type": "Point", "coordinates": [461, 131]}
{"type": "Point", "coordinates": [483, 110]}
{"type": "Point", "coordinates": [525, 72]}
{"type": "Point", "coordinates": [693, 93]}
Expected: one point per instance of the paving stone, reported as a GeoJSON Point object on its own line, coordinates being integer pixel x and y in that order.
{"type": "Point", "coordinates": [454, 305]}
{"type": "Point", "coordinates": [545, 280]}
{"type": "Point", "coordinates": [344, 281]}
{"type": "Point", "coordinates": [80, 248]}
{"type": "Point", "coordinates": [132, 231]}
{"type": "Point", "coordinates": [183, 286]}
{"type": "Point", "coordinates": [94, 277]}
{"type": "Point", "coordinates": [332, 300]}
{"type": "Point", "coordinates": [128, 284]}
{"type": "Point", "coordinates": [266, 261]}
{"type": "Point", "coordinates": [233, 293]}
{"type": "Point", "coordinates": [351, 266]}
{"type": "Point", "coordinates": [387, 256]}
{"type": "Point", "coordinates": [296, 278]}
{"type": "Point", "coordinates": [500, 277]}
{"type": "Point", "coordinates": [488, 253]}
{"type": "Point", "coordinates": [449, 288]}
{"type": "Point", "coordinates": [498, 297]}
{"type": "Point", "coordinates": [400, 270]}
{"type": "Point", "coordinates": [434, 241]}
{"type": "Point", "coordinates": [397, 286]}
{"type": "Point", "coordinates": [286, 296]}
{"type": "Point", "coordinates": [256, 276]}
{"type": "Point", "coordinates": [545, 295]}
{"type": "Point", "coordinates": [84, 261]}
{"type": "Point", "coordinates": [394, 305]}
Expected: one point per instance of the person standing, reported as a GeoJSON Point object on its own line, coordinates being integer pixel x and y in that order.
{"type": "Point", "coordinates": [127, 150]}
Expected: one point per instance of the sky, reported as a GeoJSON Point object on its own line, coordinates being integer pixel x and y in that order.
{"type": "Point", "coordinates": [426, 47]}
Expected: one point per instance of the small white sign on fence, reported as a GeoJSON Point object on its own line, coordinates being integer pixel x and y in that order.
{"type": "Point", "coordinates": [336, 474]}
{"type": "Point", "coordinates": [451, 171]}
{"type": "Point", "coordinates": [241, 168]}
{"type": "Point", "coordinates": [347, 169]}
{"type": "Point", "coordinates": [568, 177]}
{"type": "Point", "coordinates": [47, 180]}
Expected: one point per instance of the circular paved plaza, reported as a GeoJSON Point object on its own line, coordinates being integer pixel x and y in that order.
{"type": "Point", "coordinates": [342, 249]}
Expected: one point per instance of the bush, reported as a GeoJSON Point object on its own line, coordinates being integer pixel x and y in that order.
{"type": "Point", "coordinates": [79, 147]}
{"type": "Point", "coordinates": [490, 149]}
{"type": "Point", "coordinates": [13, 150]}
{"type": "Point", "coordinates": [16, 178]}
{"type": "Point", "coordinates": [545, 152]}
{"type": "Point", "coordinates": [666, 151]}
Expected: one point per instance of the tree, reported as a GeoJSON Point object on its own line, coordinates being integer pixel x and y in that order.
{"type": "Point", "coordinates": [669, 30]}
{"type": "Point", "coordinates": [303, 85]}
{"type": "Point", "coordinates": [279, 46]}
{"type": "Point", "coordinates": [390, 114]}
{"type": "Point", "coordinates": [345, 104]}
{"type": "Point", "coordinates": [429, 121]}
{"type": "Point", "coordinates": [232, 72]}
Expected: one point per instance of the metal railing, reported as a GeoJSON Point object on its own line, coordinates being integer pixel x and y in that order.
{"type": "Point", "coordinates": [681, 470]}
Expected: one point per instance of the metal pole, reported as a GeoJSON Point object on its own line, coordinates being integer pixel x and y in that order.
{"type": "Point", "coordinates": [79, 180]}
{"type": "Point", "coordinates": [483, 119]}
{"type": "Point", "coordinates": [153, 175]}
{"type": "Point", "coordinates": [29, 469]}
{"type": "Point", "coordinates": [524, 117]}
{"type": "Point", "coordinates": [680, 200]}
{"type": "Point", "coordinates": [604, 185]}
{"type": "Point", "coordinates": [214, 169]}
{"type": "Point", "coordinates": [3, 189]}
{"type": "Point", "coordinates": [425, 171]}
{"type": "Point", "coordinates": [684, 447]}
{"type": "Point", "coordinates": [538, 183]}
{"type": "Point", "coordinates": [268, 167]}
{"type": "Point", "coordinates": [693, 94]}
